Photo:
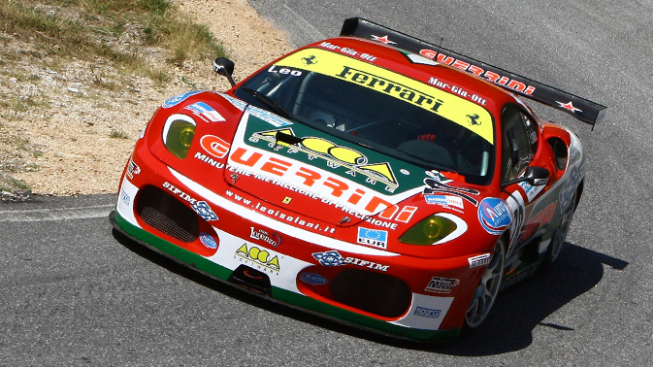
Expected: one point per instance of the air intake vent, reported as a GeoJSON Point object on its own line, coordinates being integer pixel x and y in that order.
{"type": "Point", "coordinates": [559, 151]}
{"type": "Point", "coordinates": [167, 214]}
{"type": "Point", "coordinates": [376, 293]}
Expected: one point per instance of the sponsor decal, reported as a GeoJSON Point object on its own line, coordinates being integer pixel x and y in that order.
{"type": "Point", "coordinates": [241, 105]}
{"type": "Point", "coordinates": [273, 239]}
{"type": "Point", "coordinates": [208, 241]}
{"type": "Point", "coordinates": [539, 220]}
{"type": "Point", "coordinates": [569, 106]}
{"type": "Point", "coordinates": [427, 312]}
{"type": "Point", "coordinates": [494, 216]}
{"type": "Point", "coordinates": [478, 71]}
{"type": "Point", "coordinates": [313, 279]}
{"type": "Point", "coordinates": [203, 209]}
{"type": "Point", "coordinates": [567, 191]}
{"type": "Point", "coordinates": [432, 99]}
{"type": "Point", "coordinates": [284, 71]}
{"type": "Point", "coordinates": [260, 257]}
{"type": "Point", "coordinates": [344, 50]}
{"type": "Point", "coordinates": [268, 117]}
{"type": "Point", "coordinates": [178, 99]}
{"type": "Point", "coordinates": [457, 90]}
{"type": "Point", "coordinates": [206, 159]}
{"type": "Point", "coordinates": [334, 154]}
{"type": "Point", "coordinates": [288, 217]}
{"type": "Point", "coordinates": [530, 190]}
{"type": "Point", "coordinates": [124, 197]}
{"type": "Point", "coordinates": [333, 258]}
{"type": "Point", "coordinates": [372, 237]}
{"type": "Point", "coordinates": [445, 200]}
{"type": "Point", "coordinates": [215, 146]}
{"type": "Point", "coordinates": [480, 260]}
{"type": "Point", "coordinates": [516, 278]}
{"type": "Point", "coordinates": [438, 183]}
{"type": "Point", "coordinates": [132, 169]}
{"type": "Point", "coordinates": [205, 112]}
{"type": "Point", "coordinates": [441, 285]}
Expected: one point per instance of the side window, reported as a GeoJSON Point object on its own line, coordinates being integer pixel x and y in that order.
{"type": "Point", "coordinates": [518, 141]}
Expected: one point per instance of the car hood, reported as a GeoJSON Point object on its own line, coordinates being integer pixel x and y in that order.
{"type": "Point", "coordinates": [310, 172]}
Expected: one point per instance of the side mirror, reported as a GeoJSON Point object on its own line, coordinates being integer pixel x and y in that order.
{"type": "Point", "coordinates": [225, 67]}
{"type": "Point", "coordinates": [536, 176]}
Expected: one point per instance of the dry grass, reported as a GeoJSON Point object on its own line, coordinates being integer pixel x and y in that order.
{"type": "Point", "coordinates": [135, 37]}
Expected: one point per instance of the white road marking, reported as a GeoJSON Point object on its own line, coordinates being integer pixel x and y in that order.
{"type": "Point", "coordinates": [88, 212]}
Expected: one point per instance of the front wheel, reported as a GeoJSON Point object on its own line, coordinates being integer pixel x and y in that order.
{"type": "Point", "coordinates": [488, 289]}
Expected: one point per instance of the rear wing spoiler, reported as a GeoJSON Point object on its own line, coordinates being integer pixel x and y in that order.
{"type": "Point", "coordinates": [581, 108]}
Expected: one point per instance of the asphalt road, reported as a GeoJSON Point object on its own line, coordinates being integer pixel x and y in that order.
{"type": "Point", "coordinates": [72, 292]}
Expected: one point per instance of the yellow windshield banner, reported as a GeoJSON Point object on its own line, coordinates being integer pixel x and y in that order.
{"type": "Point", "coordinates": [450, 106]}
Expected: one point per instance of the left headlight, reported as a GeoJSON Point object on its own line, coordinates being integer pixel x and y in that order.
{"type": "Point", "coordinates": [429, 231]}
{"type": "Point", "coordinates": [178, 134]}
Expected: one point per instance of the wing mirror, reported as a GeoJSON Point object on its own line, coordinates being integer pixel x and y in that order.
{"type": "Point", "coordinates": [224, 67]}
{"type": "Point", "coordinates": [535, 176]}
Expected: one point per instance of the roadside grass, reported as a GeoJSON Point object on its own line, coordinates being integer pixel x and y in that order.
{"type": "Point", "coordinates": [124, 34]}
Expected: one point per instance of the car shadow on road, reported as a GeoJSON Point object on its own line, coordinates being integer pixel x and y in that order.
{"type": "Point", "coordinates": [509, 327]}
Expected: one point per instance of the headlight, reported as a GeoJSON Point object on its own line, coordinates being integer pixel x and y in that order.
{"type": "Point", "coordinates": [178, 134]}
{"type": "Point", "coordinates": [429, 231]}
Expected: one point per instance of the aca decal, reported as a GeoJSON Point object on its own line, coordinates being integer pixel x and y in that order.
{"type": "Point", "coordinates": [494, 216]}
{"type": "Point", "coordinates": [178, 99]}
{"type": "Point", "coordinates": [372, 237]}
{"type": "Point", "coordinates": [334, 155]}
{"type": "Point", "coordinates": [215, 146]}
{"type": "Point", "coordinates": [132, 169]}
{"type": "Point", "coordinates": [441, 285]}
{"type": "Point", "coordinates": [205, 112]}
{"type": "Point", "coordinates": [478, 71]}
{"type": "Point", "coordinates": [480, 260]}
{"type": "Point", "coordinates": [259, 256]}
{"type": "Point", "coordinates": [438, 183]}
{"type": "Point", "coordinates": [333, 258]}
{"type": "Point", "coordinates": [273, 239]}
{"type": "Point", "coordinates": [313, 279]}
{"type": "Point", "coordinates": [427, 312]}
{"type": "Point", "coordinates": [208, 241]}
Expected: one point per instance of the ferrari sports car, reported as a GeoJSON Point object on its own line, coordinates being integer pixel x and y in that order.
{"type": "Point", "coordinates": [373, 178]}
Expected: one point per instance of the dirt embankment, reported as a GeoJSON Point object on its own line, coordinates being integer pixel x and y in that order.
{"type": "Point", "coordinates": [70, 131]}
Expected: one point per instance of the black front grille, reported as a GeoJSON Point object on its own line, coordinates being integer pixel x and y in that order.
{"type": "Point", "coordinates": [164, 212]}
{"type": "Point", "coordinates": [377, 293]}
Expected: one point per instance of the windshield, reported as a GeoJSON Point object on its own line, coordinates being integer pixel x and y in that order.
{"type": "Point", "coordinates": [378, 109]}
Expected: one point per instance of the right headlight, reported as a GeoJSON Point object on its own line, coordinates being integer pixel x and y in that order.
{"type": "Point", "coordinates": [178, 134]}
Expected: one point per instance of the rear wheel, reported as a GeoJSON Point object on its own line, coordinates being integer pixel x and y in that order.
{"type": "Point", "coordinates": [559, 236]}
{"type": "Point", "coordinates": [488, 289]}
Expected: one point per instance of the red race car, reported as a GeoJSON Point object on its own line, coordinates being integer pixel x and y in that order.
{"type": "Point", "coordinates": [371, 178]}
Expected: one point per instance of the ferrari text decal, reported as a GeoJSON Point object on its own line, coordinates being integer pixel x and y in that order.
{"type": "Point", "coordinates": [478, 71]}
{"type": "Point", "coordinates": [333, 258]}
{"type": "Point", "coordinates": [441, 102]}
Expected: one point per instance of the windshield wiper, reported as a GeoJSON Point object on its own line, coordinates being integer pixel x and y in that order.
{"type": "Point", "coordinates": [276, 107]}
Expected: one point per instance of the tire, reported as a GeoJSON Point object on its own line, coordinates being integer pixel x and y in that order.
{"type": "Point", "coordinates": [488, 288]}
{"type": "Point", "coordinates": [559, 236]}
